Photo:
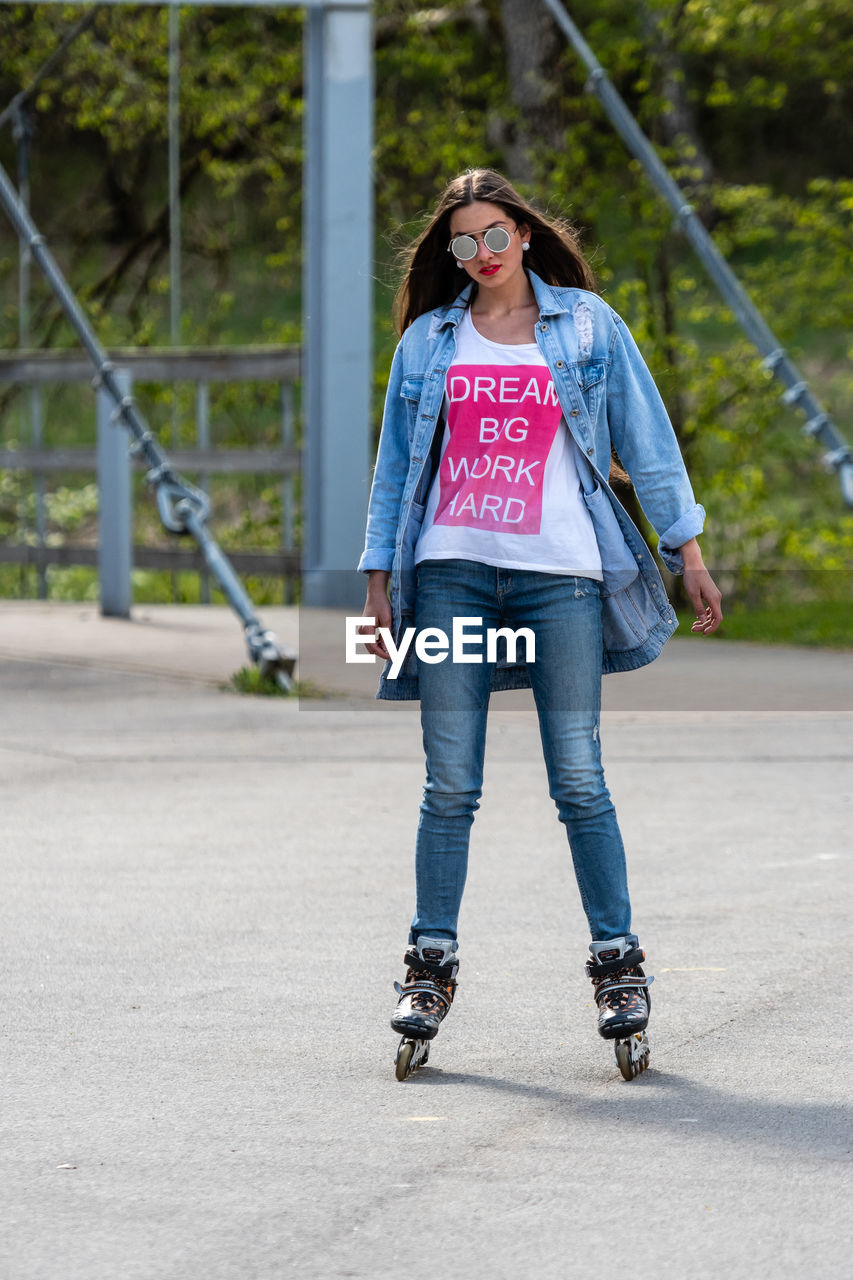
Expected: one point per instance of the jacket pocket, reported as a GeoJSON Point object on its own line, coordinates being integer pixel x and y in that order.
{"type": "Point", "coordinates": [588, 372]}
{"type": "Point", "coordinates": [618, 566]}
{"type": "Point", "coordinates": [590, 380]}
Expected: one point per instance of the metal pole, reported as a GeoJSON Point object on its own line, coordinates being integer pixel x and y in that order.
{"type": "Point", "coordinates": [337, 300]}
{"type": "Point", "coordinates": [115, 535]}
{"type": "Point", "coordinates": [22, 132]}
{"type": "Point", "coordinates": [202, 420]}
{"type": "Point", "coordinates": [174, 174]}
{"type": "Point", "coordinates": [174, 217]}
{"type": "Point", "coordinates": [818, 422]}
{"type": "Point", "coordinates": [287, 497]}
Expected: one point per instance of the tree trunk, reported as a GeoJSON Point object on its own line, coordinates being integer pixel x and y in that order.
{"type": "Point", "coordinates": [677, 122]}
{"type": "Point", "coordinates": [531, 44]}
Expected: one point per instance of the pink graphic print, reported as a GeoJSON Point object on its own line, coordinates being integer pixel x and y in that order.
{"type": "Point", "coordinates": [502, 420]}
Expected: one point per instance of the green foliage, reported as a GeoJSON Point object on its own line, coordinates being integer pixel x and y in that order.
{"type": "Point", "coordinates": [241, 142]}
{"type": "Point", "coordinates": [761, 94]}
{"type": "Point", "coordinates": [437, 83]}
{"type": "Point", "coordinates": [249, 680]}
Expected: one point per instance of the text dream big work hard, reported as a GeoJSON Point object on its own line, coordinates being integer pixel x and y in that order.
{"type": "Point", "coordinates": [491, 472]}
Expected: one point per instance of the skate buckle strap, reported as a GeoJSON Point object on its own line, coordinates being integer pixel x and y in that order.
{"type": "Point", "coordinates": [415, 960]}
{"type": "Point", "coordinates": [406, 989]}
{"type": "Point", "coordinates": [608, 985]}
{"type": "Point", "coordinates": [599, 968]}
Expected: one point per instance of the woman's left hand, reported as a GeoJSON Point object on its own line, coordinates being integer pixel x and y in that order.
{"type": "Point", "coordinates": [706, 600]}
{"type": "Point", "coordinates": [702, 590]}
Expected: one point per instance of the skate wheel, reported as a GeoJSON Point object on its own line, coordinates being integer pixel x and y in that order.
{"type": "Point", "coordinates": [403, 1063]}
{"type": "Point", "coordinates": [623, 1058]}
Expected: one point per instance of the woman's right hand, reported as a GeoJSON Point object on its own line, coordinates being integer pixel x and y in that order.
{"type": "Point", "coordinates": [378, 606]}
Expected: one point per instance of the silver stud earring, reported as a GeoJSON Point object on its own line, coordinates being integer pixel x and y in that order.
{"type": "Point", "coordinates": [525, 245]}
{"type": "Point", "coordinates": [458, 263]}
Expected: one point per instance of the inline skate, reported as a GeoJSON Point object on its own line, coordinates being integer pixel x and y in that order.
{"type": "Point", "coordinates": [425, 998]}
{"type": "Point", "coordinates": [623, 999]}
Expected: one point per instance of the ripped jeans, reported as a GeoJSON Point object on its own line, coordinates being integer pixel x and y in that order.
{"type": "Point", "coordinates": [564, 613]}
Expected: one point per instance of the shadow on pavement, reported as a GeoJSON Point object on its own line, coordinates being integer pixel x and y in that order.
{"type": "Point", "coordinates": [822, 1130]}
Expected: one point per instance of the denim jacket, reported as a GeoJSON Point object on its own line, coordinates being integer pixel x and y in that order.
{"type": "Point", "coordinates": [608, 397]}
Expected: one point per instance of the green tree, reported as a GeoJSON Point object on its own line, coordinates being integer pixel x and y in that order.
{"type": "Point", "coordinates": [749, 104]}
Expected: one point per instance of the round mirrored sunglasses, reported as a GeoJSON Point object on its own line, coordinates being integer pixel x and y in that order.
{"type": "Point", "coordinates": [496, 240]}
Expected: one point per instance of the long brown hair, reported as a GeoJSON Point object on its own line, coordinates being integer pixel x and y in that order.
{"type": "Point", "coordinates": [432, 278]}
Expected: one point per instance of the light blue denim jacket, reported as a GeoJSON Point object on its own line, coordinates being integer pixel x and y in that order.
{"type": "Point", "coordinates": [608, 397]}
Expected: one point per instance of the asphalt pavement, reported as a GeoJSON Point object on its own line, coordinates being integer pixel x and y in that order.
{"type": "Point", "coordinates": [204, 908]}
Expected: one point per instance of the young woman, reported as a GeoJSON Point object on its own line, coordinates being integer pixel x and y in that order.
{"type": "Point", "coordinates": [490, 508]}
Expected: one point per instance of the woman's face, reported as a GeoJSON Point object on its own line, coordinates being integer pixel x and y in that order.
{"type": "Point", "coordinates": [490, 270]}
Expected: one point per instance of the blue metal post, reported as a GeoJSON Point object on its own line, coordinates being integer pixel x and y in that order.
{"type": "Point", "coordinates": [337, 300]}
{"type": "Point", "coordinates": [115, 536]}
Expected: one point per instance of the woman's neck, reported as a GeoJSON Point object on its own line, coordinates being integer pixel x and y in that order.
{"type": "Point", "coordinates": [516, 295]}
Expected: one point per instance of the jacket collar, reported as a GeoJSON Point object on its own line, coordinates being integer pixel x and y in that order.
{"type": "Point", "coordinates": [548, 298]}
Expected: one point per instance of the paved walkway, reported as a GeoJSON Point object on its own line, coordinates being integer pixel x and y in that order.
{"type": "Point", "coordinates": [204, 906]}
{"type": "Point", "coordinates": [205, 644]}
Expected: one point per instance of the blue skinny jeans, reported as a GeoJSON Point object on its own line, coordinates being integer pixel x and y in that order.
{"type": "Point", "coordinates": [564, 612]}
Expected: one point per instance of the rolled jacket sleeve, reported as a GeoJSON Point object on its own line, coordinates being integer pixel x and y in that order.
{"type": "Point", "coordinates": [642, 433]}
{"type": "Point", "coordinates": [389, 477]}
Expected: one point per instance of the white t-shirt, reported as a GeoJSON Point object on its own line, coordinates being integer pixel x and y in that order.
{"type": "Point", "coordinates": [507, 490]}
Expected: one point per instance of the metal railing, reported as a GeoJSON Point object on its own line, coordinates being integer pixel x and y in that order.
{"type": "Point", "coordinates": [115, 553]}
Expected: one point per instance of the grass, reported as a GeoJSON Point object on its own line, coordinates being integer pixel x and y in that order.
{"type": "Point", "coordinates": [250, 681]}
{"type": "Point", "coordinates": [828, 624]}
